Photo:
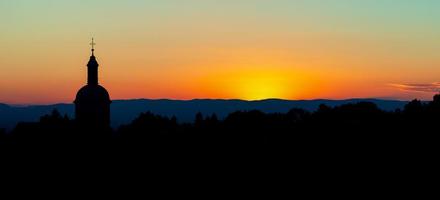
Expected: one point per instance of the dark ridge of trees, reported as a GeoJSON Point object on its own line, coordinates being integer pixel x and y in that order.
{"type": "Point", "coordinates": [347, 133]}
{"type": "Point", "coordinates": [3, 136]}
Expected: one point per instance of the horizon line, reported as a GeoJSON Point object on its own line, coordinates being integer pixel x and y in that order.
{"type": "Point", "coordinates": [216, 99]}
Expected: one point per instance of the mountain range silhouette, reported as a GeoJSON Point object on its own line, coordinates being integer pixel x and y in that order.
{"type": "Point", "coordinates": [124, 111]}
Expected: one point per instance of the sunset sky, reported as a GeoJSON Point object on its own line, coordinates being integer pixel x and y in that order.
{"type": "Point", "coordinates": [227, 49]}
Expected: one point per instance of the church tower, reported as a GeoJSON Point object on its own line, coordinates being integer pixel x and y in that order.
{"type": "Point", "coordinates": [92, 103]}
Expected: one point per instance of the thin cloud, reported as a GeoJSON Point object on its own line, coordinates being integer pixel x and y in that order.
{"type": "Point", "coordinates": [429, 87]}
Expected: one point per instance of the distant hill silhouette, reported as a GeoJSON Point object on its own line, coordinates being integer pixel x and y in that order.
{"type": "Point", "coordinates": [124, 111]}
{"type": "Point", "coordinates": [350, 138]}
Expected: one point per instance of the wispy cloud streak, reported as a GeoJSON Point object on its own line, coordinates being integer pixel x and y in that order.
{"type": "Point", "coordinates": [424, 87]}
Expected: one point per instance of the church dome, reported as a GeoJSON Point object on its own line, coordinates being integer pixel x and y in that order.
{"type": "Point", "coordinates": [92, 93]}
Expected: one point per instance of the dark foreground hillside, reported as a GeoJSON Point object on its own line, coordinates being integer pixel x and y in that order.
{"type": "Point", "coordinates": [347, 138]}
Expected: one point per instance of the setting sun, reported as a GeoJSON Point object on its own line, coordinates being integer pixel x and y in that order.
{"type": "Point", "coordinates": [263, 85]}
{"type": "Point", "coordinates": [257, 89]}
{"type": "Point", "coordinates": [258, 84]}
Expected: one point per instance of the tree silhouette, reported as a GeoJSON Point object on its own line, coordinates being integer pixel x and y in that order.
{"type": "Point", "coordinates": [342, 132]}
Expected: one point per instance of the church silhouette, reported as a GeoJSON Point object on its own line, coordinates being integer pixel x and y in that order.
{"type": "Point", "coordinates": [92, 103]}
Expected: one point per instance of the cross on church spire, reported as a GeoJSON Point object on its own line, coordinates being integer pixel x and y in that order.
{"type": "Point", "coordinates": [93, 46]}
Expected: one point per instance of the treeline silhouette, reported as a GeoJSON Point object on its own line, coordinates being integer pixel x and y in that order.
{"type": "Point", "coordinates": [359, 130]}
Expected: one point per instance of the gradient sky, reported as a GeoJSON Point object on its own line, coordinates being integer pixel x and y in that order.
{"type": "Point", "coordinates": [247, 49]}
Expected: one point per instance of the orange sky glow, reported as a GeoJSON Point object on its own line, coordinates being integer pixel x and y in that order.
{"type": "Point", "coordinates": [187, 50]}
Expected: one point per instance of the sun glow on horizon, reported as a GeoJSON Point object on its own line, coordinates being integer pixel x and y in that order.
{"type": "Point", "coordinates": [264, 85]}
{"type": "Point", "coordinates": [259, 84]}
